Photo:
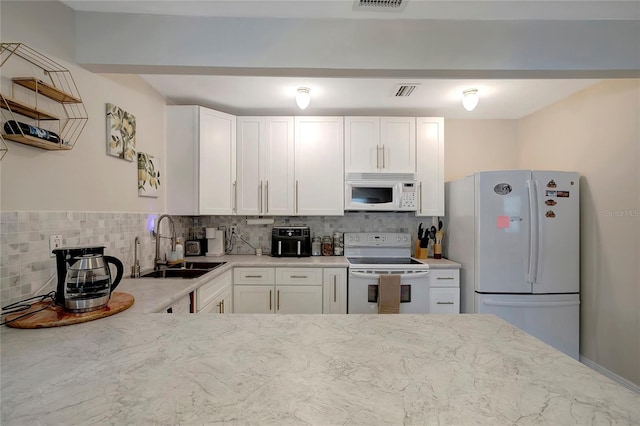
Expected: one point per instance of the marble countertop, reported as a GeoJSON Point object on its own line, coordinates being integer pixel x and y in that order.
{"type": "Point", "coordinates": [136, 368]}
{"type": "Point", "coordinates": [155, 294]}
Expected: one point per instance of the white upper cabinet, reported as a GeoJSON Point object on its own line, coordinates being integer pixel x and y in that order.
{"type": "Point", "coordinates": [265, 166]}
{"type": "Point", "coordinates": [200, 163]}
{"type": "Point", "coordinates": [380, 145]}
{"type": "Point", "coordinates": [430, 166]}
{"type": "Point", "coordinates": [319, 166]}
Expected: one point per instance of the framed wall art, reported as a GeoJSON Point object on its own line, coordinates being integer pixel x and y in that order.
{"type": "Point", "coordinates": [121, 133]}
{"type": "Point", "coordinates": [148, 175]}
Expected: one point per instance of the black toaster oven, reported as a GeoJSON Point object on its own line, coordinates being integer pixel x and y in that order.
{"type": "Point", "coordinates": [290, 241]}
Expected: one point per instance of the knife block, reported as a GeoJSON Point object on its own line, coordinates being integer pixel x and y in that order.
{"type": "Point", "coordinates": [421, 253]}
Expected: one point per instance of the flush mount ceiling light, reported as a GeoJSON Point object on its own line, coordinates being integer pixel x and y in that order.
{"type": "Point", "coordinates": [303, 97]}
{"type": "Point", "coordinates": [470, 99]}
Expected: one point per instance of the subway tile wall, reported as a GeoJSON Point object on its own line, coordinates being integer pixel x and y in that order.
{"type": "Point", "coordinates": [260, 235]}
{"type": "Point", "coordinates": [25, 264]}
{"type": "Point", "coordinates": [27, 268]}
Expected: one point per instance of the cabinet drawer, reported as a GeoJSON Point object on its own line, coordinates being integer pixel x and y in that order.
{"type": "Point", "coordinates": [444, 277]}
{"type": "Point", "coordinates": [253, 276]}
{"type": "Point", "coordinates": [206, 292]}
{"type": "Point", "coordinates": [444, 300]}
{"type": "Point", "coordinates": [299, 276]}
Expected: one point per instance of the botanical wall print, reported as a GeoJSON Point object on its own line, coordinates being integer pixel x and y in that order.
{"type": "Point", "coordinates": [148, 175]}
{"type": "Point", "coordinates": [121, 133]}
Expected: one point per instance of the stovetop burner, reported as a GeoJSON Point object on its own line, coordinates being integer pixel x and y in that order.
{"type": "Point", "coordinates": [383, 261]}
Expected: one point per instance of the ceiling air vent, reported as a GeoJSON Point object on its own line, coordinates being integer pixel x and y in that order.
{"type": "Point", "coordinates": [404, 90]}
{"type": "Point", "coordinates": [389, 5]}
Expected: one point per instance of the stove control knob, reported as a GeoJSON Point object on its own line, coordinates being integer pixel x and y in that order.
{"type": "Point", "coordinates": [405, 238]}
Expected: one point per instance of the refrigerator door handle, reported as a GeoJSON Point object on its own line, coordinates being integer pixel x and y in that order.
{"type": "Point", "coordinates": [491, 302]}
{"type": "Point", "coordinates": [533, 232]}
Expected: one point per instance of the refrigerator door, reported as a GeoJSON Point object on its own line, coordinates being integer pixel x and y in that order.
{"type": "Point", "coordinates": [558, 238]}
{"type": "Point", "coordinates": [503, 232]}
{"type": "Point", "coordinates": [552, 318]}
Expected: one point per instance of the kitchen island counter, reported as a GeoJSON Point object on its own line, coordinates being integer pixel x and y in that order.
{"type": "Point", "coordinates": [136, 368]}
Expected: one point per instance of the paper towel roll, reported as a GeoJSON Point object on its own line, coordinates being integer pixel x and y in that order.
{"type": "Point", "coordinates": [211, 232]}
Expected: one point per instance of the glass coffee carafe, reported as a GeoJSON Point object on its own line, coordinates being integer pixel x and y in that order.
{"type": "Point", "coordinates": [88, 284]}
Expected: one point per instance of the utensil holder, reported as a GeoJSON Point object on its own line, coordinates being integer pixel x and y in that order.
{"type": "Point", "coordinates": [421, 253]}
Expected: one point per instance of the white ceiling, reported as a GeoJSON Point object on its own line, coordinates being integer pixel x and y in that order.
{"type": "Point", "coordinates": [269, 95]}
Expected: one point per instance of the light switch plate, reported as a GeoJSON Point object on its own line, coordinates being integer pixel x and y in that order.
{"type": "Point", "coordinates": [55, 241]}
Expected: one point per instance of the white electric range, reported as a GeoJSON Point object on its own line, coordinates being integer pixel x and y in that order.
{"type": "Point", "coordinates": [373, 254]}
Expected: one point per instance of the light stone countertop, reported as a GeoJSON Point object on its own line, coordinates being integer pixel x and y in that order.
{"type": "Point", "coordinates": [299, 369]}
{"type": "Point", "coordinates": [156, 295]}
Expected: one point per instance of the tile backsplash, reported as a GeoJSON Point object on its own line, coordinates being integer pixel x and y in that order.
{"type": "Point", "coordinates": [27, 268]}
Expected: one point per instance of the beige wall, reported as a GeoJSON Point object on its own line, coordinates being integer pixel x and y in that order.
{"type": "Point", "coordinates": [85, 178]}
{"type": "Point", "coordinates": [596, 132]}
{"type": "Point", "coordinates": [477, 145]}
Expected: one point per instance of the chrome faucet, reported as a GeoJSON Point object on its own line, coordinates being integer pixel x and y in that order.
{"type": "Point", "coordinates": [157, 261]}
{"type": "Point", "coordinates": [135, 269]}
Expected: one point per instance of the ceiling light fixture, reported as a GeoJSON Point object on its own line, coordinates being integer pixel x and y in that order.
{"type": "Point", "coordinates": [303, 98]}
{"type": "Point", "coordinates": [470, 99]}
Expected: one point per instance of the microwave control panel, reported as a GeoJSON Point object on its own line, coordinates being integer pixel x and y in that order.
{"type": "Point", "coordinates": [409, 196]}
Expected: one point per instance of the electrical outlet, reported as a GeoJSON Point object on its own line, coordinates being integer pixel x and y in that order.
{"type": "Point", "coordinates": [55, 241]}
{"type": "Point", "coordinates": [234, 230]}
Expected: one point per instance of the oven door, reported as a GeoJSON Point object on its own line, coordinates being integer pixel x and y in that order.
{"type": "Point", "coordinates": [372, 195]}
{"type": "Point", "coordinates": [363, 291]}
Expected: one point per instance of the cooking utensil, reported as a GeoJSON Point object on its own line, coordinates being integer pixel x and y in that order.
{"type": "Point", "coordinates": [439, 225]}
{"type": "Point", "coordinates": [433, 233]}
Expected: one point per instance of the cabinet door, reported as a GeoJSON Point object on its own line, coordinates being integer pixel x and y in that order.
{"type": "Point", "coordinates": [278, 165]}
{"type": "Point", "coordinates": [221, 303]}
{"type": "Point", "coordinates": [398, 144]}
{"type": "Point", "coordinates": [250, 143]}
{"type": "Point", "coordinates": [444, 300]}
{"type": "Point", "coordinates": [181, 306]}
{"type": "Point", "coordinates": [182, 160]}
{"type": "Point", "coordinates": [298, 299]}
{"type": "Point", "coordinates": [207, 292]}
{"type": "Point", "coordinates": [362, 144]}
{"type": "Point", "coordinates": [319, 166]}
{"type": "Point", "coordinates": [253, 299]}
{"type": "Point", "coordinates": [430, 166]}
{"type": "Point", "coordinates": [217, 162]}
{"type": "Point", "coordinates": [335, 291]}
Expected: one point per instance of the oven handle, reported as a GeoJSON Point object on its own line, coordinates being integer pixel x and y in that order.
{"type": "Point", "coordinates": [366, 275]}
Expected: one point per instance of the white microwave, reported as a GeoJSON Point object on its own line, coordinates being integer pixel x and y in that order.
{"type": "Point", "coordinates": [376, 192]}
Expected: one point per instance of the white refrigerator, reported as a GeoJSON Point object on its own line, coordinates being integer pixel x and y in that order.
{"type": "Point", "coordinates": [516, 234]}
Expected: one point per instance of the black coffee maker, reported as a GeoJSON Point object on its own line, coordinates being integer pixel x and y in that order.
{"type": "Point", "coordinates": [64, 259]}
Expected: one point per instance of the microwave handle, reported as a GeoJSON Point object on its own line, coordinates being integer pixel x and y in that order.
{"type": "Point", "coordinates": [279, 247]}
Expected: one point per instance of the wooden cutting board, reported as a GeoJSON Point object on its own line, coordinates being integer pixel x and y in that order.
{"type": "Point", "coordinates": [56, 316]}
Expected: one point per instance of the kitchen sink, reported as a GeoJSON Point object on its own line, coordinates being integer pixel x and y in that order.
{"type": "Point", "coordinates": [191, 270]}
{"type": "Point", "coordinates": [199, 265]}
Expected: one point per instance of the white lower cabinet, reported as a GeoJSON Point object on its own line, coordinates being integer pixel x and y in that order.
{"type": "Point", "coordinates": [277, 290]}
{"type": "Point", "coordinates": [181, 306]}
{"type": "Point", "coordinates": [335, 290]}
{"type": "Point", "coordinates": [216, 295]}
{"type": "Point", "coordinates": [444, 291]}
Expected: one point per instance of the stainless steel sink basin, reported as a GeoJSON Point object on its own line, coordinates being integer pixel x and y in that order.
{"type": "Point", "coordinates": [191, 270]}
{"type": "Point", "coordinates": [199, 265]}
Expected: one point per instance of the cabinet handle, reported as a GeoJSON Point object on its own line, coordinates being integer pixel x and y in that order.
{"type": "Point", "coordinates": [260, 196]}
{"type": "Point", "coordinates": [253, 276]}
{"type": "Point", "coordinates": [235, 196]}
{"type": "Point", "coordinates": [219, 305]}
{"type": "Point", "coordinates": [299, 276]}
{"type": "Point", "coordinates": [335, 285]}
{"type": "Point", "coordinates": [377, 156]}
{"type": "Point", "coordinates": [278, 300]}
{"type": "Point", "coordinates": [222, 302]}
{"type": "Point", "coordinates": [266, 198]}
{"type": "Point", "coordinates": [444, 303]}
{"type": "Point", "coordinates": [296, 197]}
{"type": "Point", "coordinates": [270, 304]}
{"type": "Point", "coordinates": [444, 278]}
{"type": "Point", "coordinates": [420, 195]}
{"type": "Point", "coordinates": [383, 156]}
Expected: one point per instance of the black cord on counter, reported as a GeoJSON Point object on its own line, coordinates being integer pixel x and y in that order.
{"type": "Point", "coordinates": [25, 304]}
